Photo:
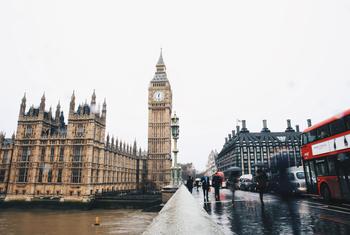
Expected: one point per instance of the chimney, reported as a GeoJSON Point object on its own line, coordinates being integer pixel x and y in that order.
{"type": "Point", "coordinates": [229, 136]}
{"type": "Point", "coordinates": [233, 133]}
{"type": "Point", "coordinates": [243, 124]}
{"type": "Point", "coordinates": [226, 140]}
{"type": "Point", "coordinates": [297, 128]}
{"type": "Point", "coordinates": [264, 124]}
{"type": "Point", "coordinates": [265, 129]}
{"type": "Point", "coordinates": [309, 124]}
{"type": "Point", "coordinates": [289, 126]}
{"type": "Point", "coordinates": [237, 129]}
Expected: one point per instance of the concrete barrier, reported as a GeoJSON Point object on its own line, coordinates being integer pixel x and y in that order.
{"type": "Point", "coordinates": [183, 215]}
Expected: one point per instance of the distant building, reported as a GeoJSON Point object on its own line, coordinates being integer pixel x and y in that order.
{"type": "Point", "coordinates": [49, 158]}
{"type": "Point", "coordinates": [210, 167]}
{"type": "Point", "coordinates": [247, 149]}
{"type": "Point", "coordinates": [187, 169]}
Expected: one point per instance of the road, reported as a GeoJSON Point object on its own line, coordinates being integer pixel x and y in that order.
{"type": "Point", "coordinates": [278, 216]}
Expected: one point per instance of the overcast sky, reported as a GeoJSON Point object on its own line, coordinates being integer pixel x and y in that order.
{"type": "Point", "coordinates": [226, 60]}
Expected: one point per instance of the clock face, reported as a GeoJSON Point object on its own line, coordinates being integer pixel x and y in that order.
{"type": "Point", "coordinates": [158, 96]}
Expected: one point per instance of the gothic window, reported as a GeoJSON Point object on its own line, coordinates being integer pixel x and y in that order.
{"type": "Point", "coordinates": [59, 176]}
{"type": "Point", "coordinates": [28, 131]}
{"type": "Point", "coordinates": [76, 175]}
{"type": "Point", "coordinates": [22, 175]}
{"type": "Point", "coordinates": [5, 157]}
{"type": "Point", "coordinates": [52, 154]}
{"type": "Point", "coordinates": [80, 130]}
{"type": "Point", "coordinates": [40, 177]}
{"type": "Point", "coordinates": [49, 176]}
{"type": "Point", "coordinates": [25, 154]}
{"type": "Point", "coordinates": [61, 157]}
{"type": "Point", "coordinates": [2, 175]}
{"type": "Point", "coordinates": [42, 156]}
{"type": "Point", "coordinates": [77, 153]}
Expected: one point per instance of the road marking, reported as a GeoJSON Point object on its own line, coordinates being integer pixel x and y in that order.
{"type": "Point", "coordinates": [327, 205]}
{"type": "Point", "coordinates": [337, 220]}
{"type": "Point", "coordinates": [326, 208]}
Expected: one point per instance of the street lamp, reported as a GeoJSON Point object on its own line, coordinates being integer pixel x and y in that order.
{"type": "Point", "coordinates": [175, 133]}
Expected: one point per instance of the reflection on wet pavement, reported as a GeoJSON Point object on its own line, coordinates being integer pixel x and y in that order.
{"type": "Point", "coordinates": [293, 216]}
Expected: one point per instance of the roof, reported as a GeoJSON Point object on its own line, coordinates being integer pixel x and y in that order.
{"type": "Point", "coordinates": [329, 120]}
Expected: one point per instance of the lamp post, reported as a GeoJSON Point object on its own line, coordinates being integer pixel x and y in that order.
{"type": "Point", "coordinates": [175, 170]}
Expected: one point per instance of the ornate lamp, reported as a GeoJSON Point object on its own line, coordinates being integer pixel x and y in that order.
{"type": "Point", "coordinates": [175, 133]}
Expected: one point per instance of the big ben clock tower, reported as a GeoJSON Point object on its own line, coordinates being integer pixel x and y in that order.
{"type": "Point", "coordinates": [159, 130]}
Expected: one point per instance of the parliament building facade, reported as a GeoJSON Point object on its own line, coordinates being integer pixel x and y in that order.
{"type": "Point", "coordinates": [49, 158]}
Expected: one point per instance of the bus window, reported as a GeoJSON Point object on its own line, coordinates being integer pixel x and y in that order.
{"type": "Point", "coordinates": [321, 168]}
{"type": "Point", "coordinates": [311, 136]}
{"type": "Point", "coordinates": [337, 126]}
{"type": "Point", "coordinates": [323, 132]}
{"type": "Point", "coordinates": [331, 166]}
{"type": "Point", "coordinates": [304, 139]}
{"type": "Point", "coordinates": [347, 122]}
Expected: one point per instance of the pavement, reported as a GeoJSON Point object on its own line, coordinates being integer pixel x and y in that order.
{"type": "Point", "coordinates": [277, 216]}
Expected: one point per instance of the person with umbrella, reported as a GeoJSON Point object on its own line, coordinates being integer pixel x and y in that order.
{"type": "Point", "coordinates": [233, 173]}
{"type": "Point", "coordinates": [261, 180]}
{"type": "Point", "coordinates": [216, 181]}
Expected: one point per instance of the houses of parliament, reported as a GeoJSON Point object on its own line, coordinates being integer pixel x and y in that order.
{"type": "Point", "coordinates": [74, 160]}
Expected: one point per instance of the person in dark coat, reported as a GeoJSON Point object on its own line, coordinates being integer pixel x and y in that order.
{"type": "Point", "coordinates": [261, 180]}
{"type": "Point", "coordinates": [205, 187]}
{"type": "Point", "coordinates": [217, 181]}
{"type": "Point", "coordinates": [189, 184]}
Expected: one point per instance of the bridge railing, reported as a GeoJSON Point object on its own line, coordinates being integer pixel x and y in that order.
{"type": "Point", "coordinates": [182, 214]}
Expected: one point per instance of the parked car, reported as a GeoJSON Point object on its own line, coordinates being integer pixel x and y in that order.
{"type": "Point", "coordinates": [245, 182]}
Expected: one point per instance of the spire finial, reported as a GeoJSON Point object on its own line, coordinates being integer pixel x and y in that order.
{"type": "Point", "coordinates": [160, 60]}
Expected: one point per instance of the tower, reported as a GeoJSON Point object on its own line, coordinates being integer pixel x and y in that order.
{"type": "Point", "coordinates": [159, 129]}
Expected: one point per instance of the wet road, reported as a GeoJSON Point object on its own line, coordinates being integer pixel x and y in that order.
{"type": "Point", "coordinates": [278, 216]}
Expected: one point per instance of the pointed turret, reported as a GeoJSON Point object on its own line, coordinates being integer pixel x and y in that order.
{"type": "Point", "coordinates": [23, 105]}
{"type": "Point", "coordinates": [117, 144]}
{"type": "Point", "coordinates": [42, 103]}
{"type": "Point", "coordinates": [58, 111]}
{"type": "Point", "coordinates": [104, 109]}
{"type": "Point", "coordinates": [112, 142]}
{"type": "Point", "coordinates": [72, 104]}
{"type": "Point", "coordinates": [134, 149]}
{"type": "Point", "coordinates": [93, 99]}
{"type": "Point", "coordinates": [160, 74]}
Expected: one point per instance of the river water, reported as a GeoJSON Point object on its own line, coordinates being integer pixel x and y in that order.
{"type": "Point", "coordinates": [53, 222]}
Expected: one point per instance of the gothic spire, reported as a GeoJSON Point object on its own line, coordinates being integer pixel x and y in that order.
{"type": "Point", "coordinates": [160, 74]}
{"type": "Point", "coordinates": [93, 99]}
{"type": "Point", "coordinates": [104, 109]}
{"type": "Point", "coordinates": [23, 105]}
{"type": "Point", "coordinates": [58, 111]}
{"type": "Point", "coordinates": [42, 103]}
{"type": "Point", "coordinates": [72, 103]}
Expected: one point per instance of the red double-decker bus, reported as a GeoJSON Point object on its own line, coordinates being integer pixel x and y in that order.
{"type": "Point", "coordinates": [326, 156]}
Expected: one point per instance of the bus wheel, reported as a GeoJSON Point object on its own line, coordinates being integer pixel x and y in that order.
{"type": "Point", "coordinates": [326, 193]}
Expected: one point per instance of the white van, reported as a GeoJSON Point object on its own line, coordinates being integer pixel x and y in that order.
{"type": "Point", "coordinates": [296, 177]}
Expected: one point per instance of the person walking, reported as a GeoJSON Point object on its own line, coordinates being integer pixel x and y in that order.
{"type": "Point", "coordinates": [233, 181]}
{"type": "Point", "coordinates": [189, 184]}
{"type": "Point", "coordinates": [205, 187]}
{"type": "Point", "coordinates": [197, 183]}
{"type": "Point", "coordinates": [261, 180]}
{"type": "Point", "coordinates": [217, 180]}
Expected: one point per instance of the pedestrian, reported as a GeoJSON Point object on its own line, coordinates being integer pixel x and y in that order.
{"type": "Point", "coordinates": [261, 181]}
{"type": "Point", "coordinates": [189, 184]}
{"type": "Point", "coordinates": [217, 181]}
{"type": "Point", "coordinates": [232, 183]}
{"type": "Point", "coordinates": [205, 187]}
{"type": "Point", "coordinates": [197, 183]}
